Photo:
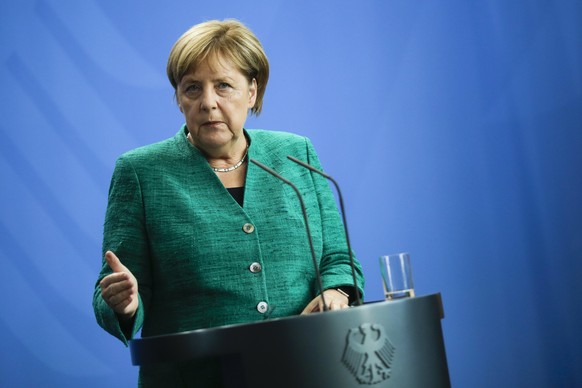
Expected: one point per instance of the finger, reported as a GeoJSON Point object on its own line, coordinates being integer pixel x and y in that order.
{"type": "Point", "coordinates": [311, 307]}
{"type": "Point", "coordinates": [114, 262]}
{"type": "Point", "coordinates": [121, 307]}
{"type": "Point", "coordinates": [113, 278]}
{"type": "Point", "coordinates": [308, 309]}
{"type": "Point", "coordinates": [111, 294]}
{"type": "Point", "coordinates": [120, 300]}
{"type": "Point", "coordinates": [316, 305]}
{"type": "Point", "coordinates": [116, 288]}
{"type": "Point", "coordinates": [124, 309]}
{"type": "Point", "coordinates": [334, 305]}
{"type": "Point", "coordinates": [116, 294]}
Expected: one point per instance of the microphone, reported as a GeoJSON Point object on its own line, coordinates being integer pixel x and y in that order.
{"type": "Point", "coordinates": [309, 238]}
{"type": "Point", "coordinates": [341, 201]}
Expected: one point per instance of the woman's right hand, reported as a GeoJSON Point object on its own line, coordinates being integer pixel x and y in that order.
{"type": "Point", "coordinates": [119, 289]}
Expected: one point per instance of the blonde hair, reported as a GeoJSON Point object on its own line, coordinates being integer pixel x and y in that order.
{"type": "Point", "coordinates": [230, 39]}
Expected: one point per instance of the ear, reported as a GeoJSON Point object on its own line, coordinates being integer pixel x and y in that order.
{"type": "Point", "coordinates": [252, 93]}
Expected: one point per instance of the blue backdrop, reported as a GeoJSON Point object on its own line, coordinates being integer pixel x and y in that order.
{"type": "Point", "coordinates": [455, 128]}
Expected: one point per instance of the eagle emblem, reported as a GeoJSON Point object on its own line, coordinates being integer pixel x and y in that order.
{"type": "Point", "coordinates": [368, 353]}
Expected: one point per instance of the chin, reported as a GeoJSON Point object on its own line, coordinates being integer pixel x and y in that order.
{"type": "Point", "coordinates": [216, 141]}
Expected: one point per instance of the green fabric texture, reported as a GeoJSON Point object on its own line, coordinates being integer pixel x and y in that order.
{"type": "Point", "coordinates": [177, 229]}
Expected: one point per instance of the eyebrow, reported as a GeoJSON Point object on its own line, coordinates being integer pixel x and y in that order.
{"type": "Point", "coordinates": [189, 78]}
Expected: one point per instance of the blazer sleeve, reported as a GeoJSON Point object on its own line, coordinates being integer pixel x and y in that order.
{"type": "Point", "coordinates": [335, 265]}
{"type": "Point", "coordinates": [125, 234]}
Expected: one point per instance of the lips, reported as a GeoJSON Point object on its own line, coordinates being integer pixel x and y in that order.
{"type": "Point", "coordinates": [212, 123]}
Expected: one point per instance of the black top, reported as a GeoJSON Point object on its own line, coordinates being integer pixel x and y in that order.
{"type": "Point", "coordinates": [238, 193]}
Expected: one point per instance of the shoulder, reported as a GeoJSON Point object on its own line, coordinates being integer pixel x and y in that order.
{"type": "Point", "coordinates": [161, 153]}
{"type": "Point", "coordinates": [150, 151]}
{"type": "Point", "coordinates": [279, 139]}
{"type": "Point", "coordinates": [273, 147]}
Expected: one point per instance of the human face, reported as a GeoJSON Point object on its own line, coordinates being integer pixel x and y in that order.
{"type": "Point", "coordinates": [215, 99]}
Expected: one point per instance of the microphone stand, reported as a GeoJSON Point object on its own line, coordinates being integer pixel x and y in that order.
{"type": "Point", "coordinates": [313, 257]}
{"type": "Point", "coordinates": [341, 201]}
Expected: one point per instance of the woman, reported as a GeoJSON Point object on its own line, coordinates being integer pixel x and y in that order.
{"type": "Point", "coordinates": [197, 237]}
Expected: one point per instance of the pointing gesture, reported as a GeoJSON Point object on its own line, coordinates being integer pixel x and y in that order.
{"type": "Point", "coordinates": [119, 289]}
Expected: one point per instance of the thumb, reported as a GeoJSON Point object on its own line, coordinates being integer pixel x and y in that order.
{"type": "Point", "coordinates": [114, 262]}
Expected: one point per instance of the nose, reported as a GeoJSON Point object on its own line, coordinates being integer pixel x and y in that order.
{"type": "Point", "coordinates": [208, 99]}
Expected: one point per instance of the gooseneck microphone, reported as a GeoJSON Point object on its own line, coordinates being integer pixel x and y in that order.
{"type": "Point", "coordinates": [309, 238]}
{"type": "Point", "coordinates": [341, 201]}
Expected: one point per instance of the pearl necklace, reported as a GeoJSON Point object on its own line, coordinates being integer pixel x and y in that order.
{"type": "Point", "coordinates": [226, 169]}
{"type": "Point", "coordinates": [232, 168]}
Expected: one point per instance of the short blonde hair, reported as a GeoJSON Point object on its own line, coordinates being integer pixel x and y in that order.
{"type": "Point", "coordinates": [229, 38]}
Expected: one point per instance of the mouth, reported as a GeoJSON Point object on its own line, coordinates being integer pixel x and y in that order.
{"type": "Point", "coordinates": [212, 123]}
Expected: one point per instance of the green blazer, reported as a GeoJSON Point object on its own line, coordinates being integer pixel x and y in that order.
{"type": "Point", "coordinates": [202, 260]}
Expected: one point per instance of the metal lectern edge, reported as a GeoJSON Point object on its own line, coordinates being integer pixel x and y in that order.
{"type": "Point", "coordinates": [202, 342]}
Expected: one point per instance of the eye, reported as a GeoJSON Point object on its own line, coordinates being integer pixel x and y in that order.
{"type": "Point", "coordinates": [224, 86]}
{"type": "Point", "coordinates": [192, 88]}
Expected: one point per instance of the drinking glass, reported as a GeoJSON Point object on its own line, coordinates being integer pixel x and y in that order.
{"type": "Point", "coordinates": [397, 276]}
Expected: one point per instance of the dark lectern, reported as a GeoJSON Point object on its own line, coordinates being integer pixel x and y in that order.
{"type": "Point", "coordinates": [381, 344]}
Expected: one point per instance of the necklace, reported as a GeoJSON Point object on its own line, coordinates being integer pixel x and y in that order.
{"type": "Point", "coordinates": [232, 168]}
{"type": "Point", "coordinates": [226, 169]}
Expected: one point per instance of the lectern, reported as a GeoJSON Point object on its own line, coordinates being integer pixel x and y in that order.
{"type": "Point", "coordinates": [380, 344]}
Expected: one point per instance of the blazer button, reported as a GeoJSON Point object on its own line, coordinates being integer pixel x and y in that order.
{"type": "Point", "coordinates": [262, 307]}
{"type": "Point", "coordinates": [248, 228]}
{"type": "Point", "coordinates": [255, 267]}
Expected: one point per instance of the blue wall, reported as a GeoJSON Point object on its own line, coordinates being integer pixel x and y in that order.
{"type": "Point", "coordinates": [455, 128]}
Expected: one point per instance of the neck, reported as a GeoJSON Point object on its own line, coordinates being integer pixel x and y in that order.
{"type": "Point", "coordinates": [225, 156]}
